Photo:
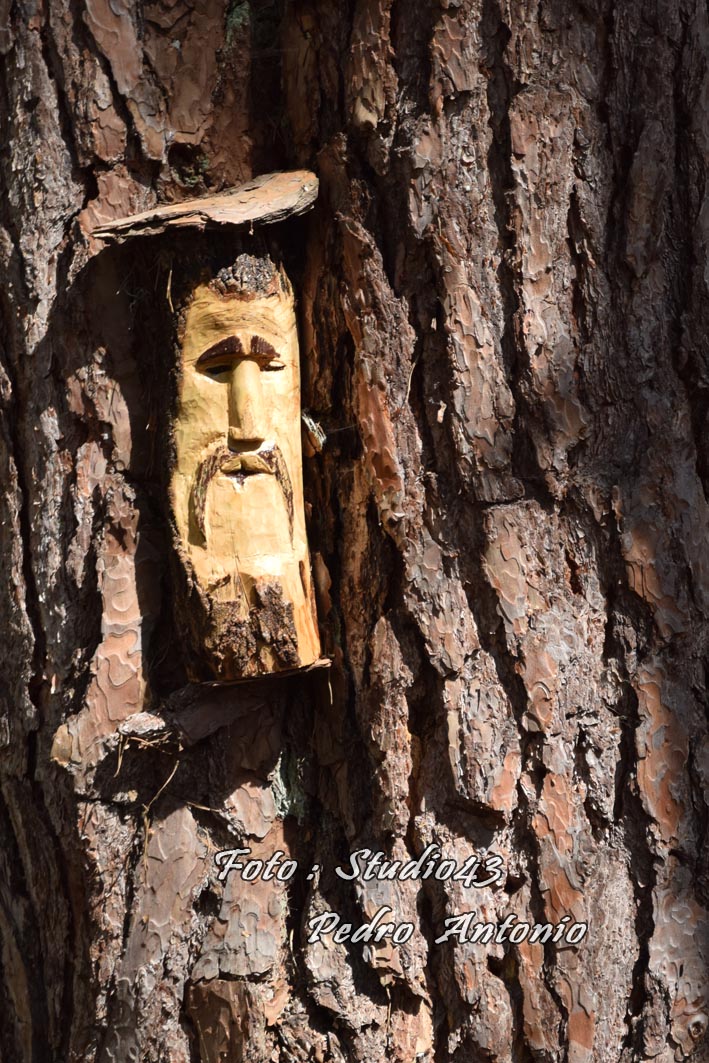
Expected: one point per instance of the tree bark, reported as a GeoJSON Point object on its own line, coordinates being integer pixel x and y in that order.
{"type": "Point", "coordinates": [503, 311]}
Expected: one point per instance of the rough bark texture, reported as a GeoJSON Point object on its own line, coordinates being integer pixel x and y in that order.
{"type": "Point", "coordinates": [503, 299]}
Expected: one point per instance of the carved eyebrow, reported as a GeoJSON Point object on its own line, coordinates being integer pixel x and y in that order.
{"type": "Point", "coordinates": [231, 347]}
{"type": "Point", "coordinates": [262, 349]}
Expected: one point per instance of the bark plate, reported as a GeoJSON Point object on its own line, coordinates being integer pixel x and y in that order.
{"type": "Point", "coordinates": [267, 199]}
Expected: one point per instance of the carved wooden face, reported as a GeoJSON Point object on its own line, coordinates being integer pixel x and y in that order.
{"type": "Point", "coordinates": [236, 488]}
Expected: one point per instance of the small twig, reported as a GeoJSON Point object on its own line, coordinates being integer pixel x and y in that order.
{"type": "Point", "coordinates": [408, 386]}
{"type": "Point", "coordinates": [205, 808]}
{"type": "Point", "coordinates": [121, 747]}
{"type": "Point", "coordinates": [146, 813]}
{"type": "Point", "coordinates": [169, 291]}
{"type": "Point", "coordinates": [163, 787]}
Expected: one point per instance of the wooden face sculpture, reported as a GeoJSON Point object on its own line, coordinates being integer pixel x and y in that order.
{"type": "Point", "coordinates": [236, 487]}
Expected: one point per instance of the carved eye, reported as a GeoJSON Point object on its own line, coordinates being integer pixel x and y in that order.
{"type": "Point", "coordinates": [220, 357]}
{"type": "Point", "coordinates": [273, 366]}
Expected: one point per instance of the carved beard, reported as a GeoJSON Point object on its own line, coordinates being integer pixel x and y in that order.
{"type": "Point", "coordinates": [268, 460]}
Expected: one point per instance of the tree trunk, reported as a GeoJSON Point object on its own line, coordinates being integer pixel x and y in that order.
{"type": "Point", "coordinates": [503, 312]}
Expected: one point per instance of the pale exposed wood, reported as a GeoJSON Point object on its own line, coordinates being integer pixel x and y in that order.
{"type": "Point", "coordinates": [266, 200]}
{"type": "Point", "coordinates": [242, 534]}
{"type": "Point", "coordinates": [502, 306]}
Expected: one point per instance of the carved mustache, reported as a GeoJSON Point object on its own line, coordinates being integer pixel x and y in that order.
{"type": "Point", "coordinates": [221, 459]}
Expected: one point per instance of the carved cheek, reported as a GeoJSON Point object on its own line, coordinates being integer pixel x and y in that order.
{"type": "Point", "coordinates": [283, 397]}
{"type": "Point", "coordinates": [202, 414]}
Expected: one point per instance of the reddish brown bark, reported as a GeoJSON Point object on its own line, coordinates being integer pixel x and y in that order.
{"type": "Point", "coordinates": [503, 302]}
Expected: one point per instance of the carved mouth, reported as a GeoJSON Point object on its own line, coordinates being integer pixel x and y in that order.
{"type": "Point", "coordinates": [269, 461]}
{"type": "Point", "coordinates": [248, 464]}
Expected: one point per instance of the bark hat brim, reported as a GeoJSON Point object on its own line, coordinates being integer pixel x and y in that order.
{"type": "Point", "coordinates": [268, 199]}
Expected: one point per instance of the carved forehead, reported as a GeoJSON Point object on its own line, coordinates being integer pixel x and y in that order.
{"type": "Point", "coordinates": [212, 317]}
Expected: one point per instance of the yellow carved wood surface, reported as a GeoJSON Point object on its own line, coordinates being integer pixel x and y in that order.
{"type": "Point", "coordinates": [237, 489]}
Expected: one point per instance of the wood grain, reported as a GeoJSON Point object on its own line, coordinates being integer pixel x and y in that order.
{"type": "Point", "coordinates": [265, 200]}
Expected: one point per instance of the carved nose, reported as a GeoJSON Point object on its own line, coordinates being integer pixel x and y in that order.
{"type": "Point", "coordinates": [247, 414]}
